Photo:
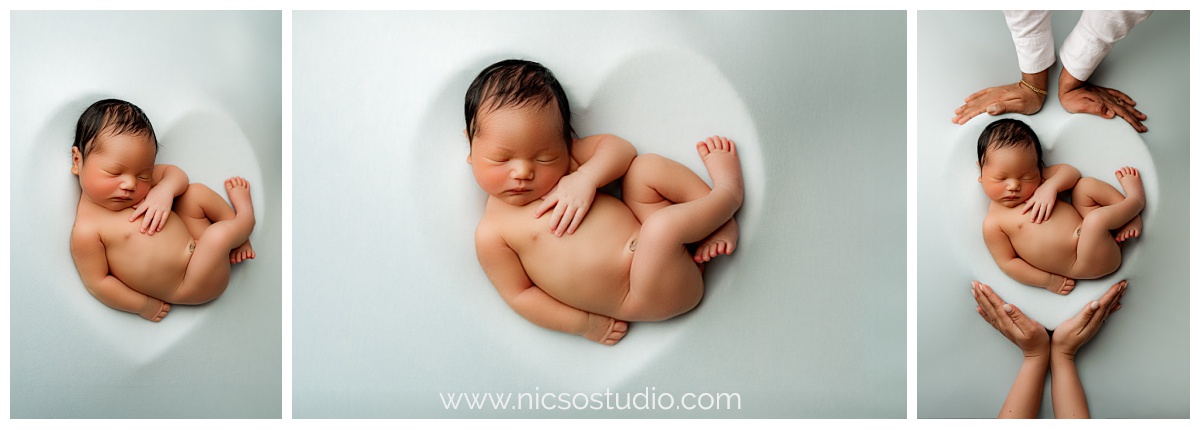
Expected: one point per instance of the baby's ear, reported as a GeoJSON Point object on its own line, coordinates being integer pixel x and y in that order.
{"type": "Point", "coordinates": [76, 160]}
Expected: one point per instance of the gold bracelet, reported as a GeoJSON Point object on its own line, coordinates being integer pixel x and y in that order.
{"type": "Point", "coordinates": [1032, 88]}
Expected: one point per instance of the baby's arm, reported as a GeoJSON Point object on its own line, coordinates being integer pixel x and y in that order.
{"type": "Point", "coordinates": [92, 264]}
{"type": "Point", "coordinates": [1056, 178]}
{"type": "Point", "coordinates": [166, 183]}
{"type": "Point", "coordinates": [1020, 270]}
{"type": "Point", "coordinates": [504, 269]}
{"type": "Point", "coordinates": [601, 158]}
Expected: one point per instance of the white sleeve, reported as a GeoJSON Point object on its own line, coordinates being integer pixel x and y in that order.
{"type": "Point", "coordinates": [1093, 36]}
{"type": "Point", "coordinates": [1033, 37]}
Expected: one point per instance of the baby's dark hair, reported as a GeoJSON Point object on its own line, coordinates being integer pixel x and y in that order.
{"type": "Point", "coordinates": [116, 117]}
{"type": "Point", "coordinates": [516, 83]}
{"type": "Point", "coordinates": [1008, 133]}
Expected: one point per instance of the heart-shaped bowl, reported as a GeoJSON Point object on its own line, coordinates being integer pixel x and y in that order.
{"type": "Point", "coordinates": [1097, 147]}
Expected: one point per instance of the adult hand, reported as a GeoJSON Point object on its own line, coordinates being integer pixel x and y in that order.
{"type": "Point", "coordinates": [1077, 331]}
{"type": "Point", "coordinates": [1012, 98]}
{"type": "Point", "coordinates": [1026, 333]}
{"type": "Point", "coordinates": [1078, 96]}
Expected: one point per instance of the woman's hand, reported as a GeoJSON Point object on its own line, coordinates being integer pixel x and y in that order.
{"type": "Point", "coordinates": [1077, 331]}
{"type": "Point", "coordinates": [1026, 333]}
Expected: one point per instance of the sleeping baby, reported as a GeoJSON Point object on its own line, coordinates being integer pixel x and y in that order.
{"type": "Point", "coordinates": [1037, 239]}
{"type": "Point", "coordinates": [629, 261]}
{"type": "Point", "coordinates": [145, 266]}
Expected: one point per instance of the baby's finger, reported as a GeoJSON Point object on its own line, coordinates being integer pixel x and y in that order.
{"type": "Point", "coordinates": [576, 220]}
{"type": "Point", "coordinates": [137, 212]}
{"type": "Point", "coordinates": [556, 218]}
{"type": "Point", "coordinates": [162, 221]}
{"type": "Point", "coordinates": [160, 218]}
{"type": "Point", "coordinates": [547, 203]}
{"type": "Point", "coordinates": [146, 220]}
{"type": "Point", "coordinates": [565, 223]}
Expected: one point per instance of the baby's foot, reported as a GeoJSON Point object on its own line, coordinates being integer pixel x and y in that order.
{"type": "Point", "coordinates": [604, 330]}
{"type": "Point", "coordinates": [154, 310]}
{"type": "Point", "coordinates": [1131, 182]}
{"type": "Point", "coordinates": [1061, 285]}
{"type": "Point", "coordinates": [239, 195]}
{"type": "Point", "coordinates": [720, 158]}
{"type": "Point", "coordinates": [241, 253]}
{"type": "Point", "coordinates": [721, 242]}
{"type": "Point", "coordinates": [1130, 230]}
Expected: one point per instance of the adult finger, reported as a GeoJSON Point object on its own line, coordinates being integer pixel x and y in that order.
{"type": "Point", "coordinates": [1087, 319]}
{"type": "Point", "coordinates": [1133, 121]}
{"type": "Point", "coordinates": [1125, 98]}
{"type": "Point", "coordinates": [1002, 322]}
{"type": "Point", "coordinates": [967, 112]}
{"type": "Point", "coordinates": [1018, 318]}
{"type": "Point", "coordinates": [984, 307]}
{"type": "Point", "coordinates": [977, 94]}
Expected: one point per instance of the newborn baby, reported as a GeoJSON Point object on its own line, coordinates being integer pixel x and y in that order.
{"type": "Point", "coordinates": [143, 267]}
{"type": "Point", "coordinates": [1037, 239]}
{"type": "Point", "coordinates": [628, 261]}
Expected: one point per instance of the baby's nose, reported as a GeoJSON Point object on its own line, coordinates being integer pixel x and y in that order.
{"type": "Point", "coordinates": [127, 183]}
{"type": "Point", "coordinates": [522, 171]}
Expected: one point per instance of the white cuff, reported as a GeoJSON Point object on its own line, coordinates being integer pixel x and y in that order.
{"type": "Point", "coordinates": [1033, 38]}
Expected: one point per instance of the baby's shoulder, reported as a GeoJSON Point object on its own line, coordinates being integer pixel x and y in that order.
{"type": "Point", "coordinates": [995, 219]}
{"type": "Point", "coordinates": [494, 223]}
{"type": "Point", "coordinates": [86, 230]}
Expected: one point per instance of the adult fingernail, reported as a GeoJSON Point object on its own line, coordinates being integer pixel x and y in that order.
{"type": "Point", "coordinates": [1008, 308]}
{"type": "Point", "coordinates": [1095, 305]}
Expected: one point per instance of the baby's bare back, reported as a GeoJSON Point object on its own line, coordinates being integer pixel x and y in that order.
{"type": "Point", "coordinates": [151, 264]}
{"type": "Point", "coordinates": [589, 269]}
{"type": "Point", "coordinates": [1052, 245]}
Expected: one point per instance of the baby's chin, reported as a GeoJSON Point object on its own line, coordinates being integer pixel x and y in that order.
{"type": "Point", "coordinates": [1010, 203]}
{"type": "Point", "coordinates": [518, 200]}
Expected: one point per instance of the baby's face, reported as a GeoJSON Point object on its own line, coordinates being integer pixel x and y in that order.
{"type": "Point", "coordinates": [1010, 175]}
{"type": "Point", "coordinates": [117, 173]}
{"type": "Point", "coordinates": [518, 154]}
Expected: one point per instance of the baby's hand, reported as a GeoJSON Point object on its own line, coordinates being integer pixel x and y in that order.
{"type": "Point", "coordinates": [157, 207]}
{"type": "Point", "coordinates": [571, 198]}
{"type": "Point", "coordinates": [604, 330]}
{"type": "Point", "coordinates": [1041, 204]}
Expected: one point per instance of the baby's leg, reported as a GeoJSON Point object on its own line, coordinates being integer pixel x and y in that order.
{"type": "Point", "coordinates": [199, 207]}
{"type": "Point", "coordinates": [207, 273]}
{"type": "Point", "coordinates": [664, 281]}
{"type": "Point", "coordinates": [1098, 253]}
{"type": "Point", "coordinates": [1090, 194]}
{"type": "Point", "coordinates": [654, 182]}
